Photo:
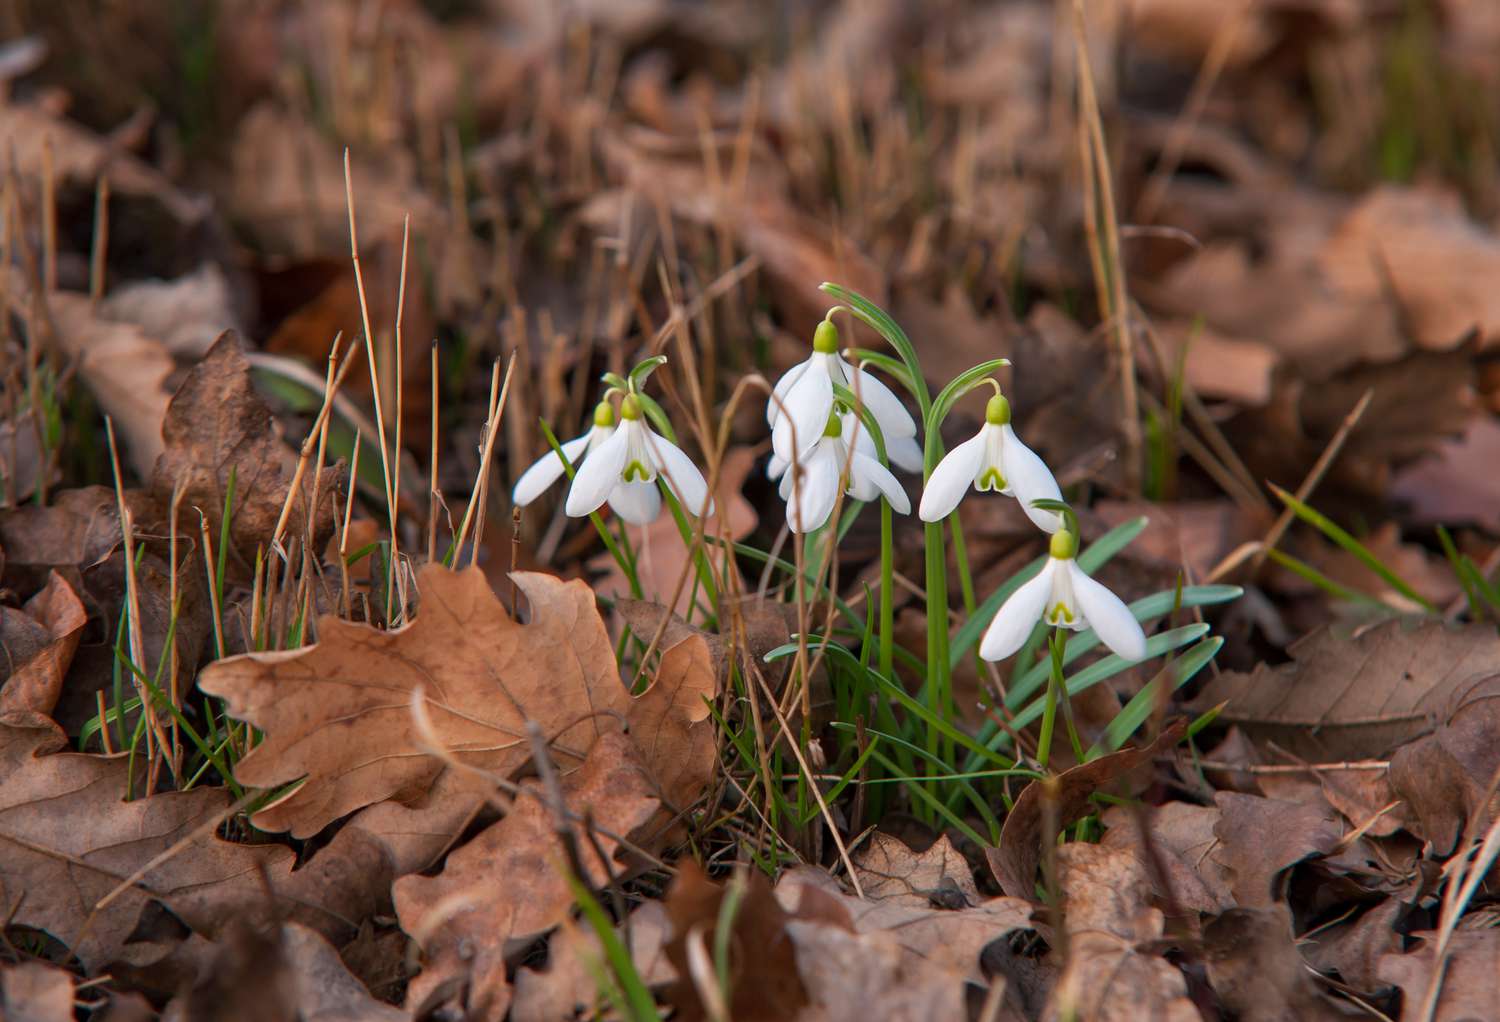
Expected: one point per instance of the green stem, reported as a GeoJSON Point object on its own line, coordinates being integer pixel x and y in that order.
{"type": "Point", "coordinates": [1049, 709]}
{"type": "Point", "coordinates": [887, 593]}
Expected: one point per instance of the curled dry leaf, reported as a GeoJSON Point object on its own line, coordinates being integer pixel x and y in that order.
{"type": "Point", "coordinates": [1260, 837]}
{"type": "Point", "coordinates": [567, 987]}
{"type": "Point", "coordinates": [22, 460]}
{"type": "Point", "coordinates": [1179, 837]}
{"type": "Point", "coordinates": [1457, 484]}
{"type": "Point", "coordinates": [1467, 979]}
{"type": "Point", "coordinates": [288, 975]}
{"type": "Point", "coordinates": [1070, 793]}
{"type": "Point", "coordinates": [77, 529]}
{"type": "Point", "coordinates": [670, 725]}
{"type": "Point", "coordinates": [938, 878]}
{"type": "Point", "coordinates": [38, 643]}
{"type": "Point", "coordinates": [35, 992]}
{"type": "Point", "coordinates": [950, 938]}
{"type": "Point", "coordinates": [1256, 970]}
{"type": "Point", "coordinates": [338, 713]}
{"type": "Point", "coordinates": [1356, 698]}
{"type": "Point", "coordinates": [1448, 777]}
{"type": "Point", "coordinates": [53, 872]}
{"type": "Point", "coordinates": [1111, 972]}
{"type": "Point", "coordinates": [217, 426]}
{"type": "Point", "coordinates": [510, 883]}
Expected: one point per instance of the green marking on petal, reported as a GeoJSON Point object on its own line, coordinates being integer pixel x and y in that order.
{"type": "Point", "coordinates": [636, 468]}
{"type": "Point", "coordinates": [1060, 614]}
{"type": "Point", "coordinates": [991, 479]}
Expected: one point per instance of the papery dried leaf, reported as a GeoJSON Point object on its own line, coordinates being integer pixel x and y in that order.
{"type": "Point", "coordinates": [35, 992]}
{"type": "Point", "coordinates": [509, 884]}
{"type": "Point", "coordinates": [53, 870]}
{"type": "Point", "coordinates": [1356, 698]}
{"type": "Point", "coordinates": [671, 726]}
{"type": "Point", "coordinates": [567, 988]}
{"type": "Point", "coordinates": [34, 682]}
{"type": "Point", "coordinates": [1260, 837]}
{"type": "Point", "coordinates": [1014, 863]}
{"type": "Point", "coordinates": [1182, 845]}
{"type": "Point", "coordinates": [1467, 982]}
{"type": "Point", "coordinates": [1256, 970]}
{"type": "Point", "coordinates": [339, 713]}
{"type": "Point", "coordinates": [1447, 778]}
{"type": "Point", "coordinates": [938, 878]}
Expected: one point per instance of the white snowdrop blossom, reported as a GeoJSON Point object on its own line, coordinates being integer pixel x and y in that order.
{"type": "Point", "coordinates": [623, 468]}
{"type": "Point", "coordinates": [549, 468]}
{"type": "Point", "coordinates": [804, 399]}
{"type": "Point", "coordinates": [1063, 596]}
{"type": "Point", "coordinates": [993, 459]}
{"type": "Point", "coordinates": [829, 467]}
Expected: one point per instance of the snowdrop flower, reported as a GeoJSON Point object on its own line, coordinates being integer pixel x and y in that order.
{"type": "Point", "coordinates": [1062, 595]}
{"type": "Point", "coordinates": [829, 467]}
{"type": "Point", "coordinates": [547, 469]}
{"type": "Point", "coordinates": [806, 393]}
{"type": "Point", "coordinates": [993, 459]}
{"type": "Point", "coordinates": [623, 469]}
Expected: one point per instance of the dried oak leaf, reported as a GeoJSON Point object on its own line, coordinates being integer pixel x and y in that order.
{"type": "Point", "coordinates": [1112, 971]}
{"type": "Point", "coordinates": [338, 713]}
{"type": "Point", "coordinates": [215, 426]}
{"type": "Point", "coordinates": [1468, 978]}
{"type": "Point", "coordinates": [509, 884]}
{"type": "Point", "coordinates": [567, 988]}
{"type": "Point", "coordinates": [35, 992]}
{"type": "Point", "coordinates": [288, 975]}
{"type": "Point", "coordinates": [1255, 969]}
{"type": "Point", "coordinates": [1179, 838]}
{"type": "Point", "coordinates": [939, 877]}
{"type": "Point", "coordinates": [1260, 837]}
{"type": "Point", "coordinates": [37, 645]}
{"type": "Point", "coordinates": [1356, 698]}
{"type": "Point", "coordinates": [53, 870]}
{"type": "Point", "coordinates": [1014, 862]}
{"type": "Point", "coordinates": [951, 938]}
{"type": "Point", "coordinates": [1447, 777]}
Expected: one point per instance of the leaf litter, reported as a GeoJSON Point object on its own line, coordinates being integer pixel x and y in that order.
{"type": "Point", "coordinates": [273, 751]}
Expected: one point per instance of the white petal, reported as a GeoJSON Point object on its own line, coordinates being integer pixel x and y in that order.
{"type": "Point", "coordinates": [598, 475]}
{"type": "Point", "coordinates": [637, 503]}
{"type": "Point", "coordinates": [1017, 616]}
{"type": "Point", "coordinates": [891, 415]}
{"type": "Point", "coordinates": [1030, 479]}
{"type": "Point", "coordinates": [782, 388]}
{"type": "Point", "coordinates": [951, 479]}
{"type": "Point", "coordinates": [1107, 614]}
{"type": "Point", "coordinates": [682, 475]}
{"type": "Point", "coordinates": [547, 469]}
{"type": "Point", "coordinates": [807, 406]}
{"type": "Point", "coordinates": [856, 430]}
{"type": "Point", "coordinates": [866, 472]}
{"type": "Point", "coordinates": [904, 452]}
{"type": "Point", "coordinates": [776, 468]}
{"type": "Point", "coordinates": [811, 500]}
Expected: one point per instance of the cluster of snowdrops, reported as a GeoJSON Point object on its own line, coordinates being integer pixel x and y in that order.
{"type": "Point", "coordinates": [820, 414]}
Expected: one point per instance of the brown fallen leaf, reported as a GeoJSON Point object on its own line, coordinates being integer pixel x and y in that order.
{"type": "Point", "coordinates": [187, 314]}
{"type": "Point", "coordinates": [1255, 969]}
{"type": "Point", "coordinates": [53, 871]}
{"type": "Point", "coordinates": [339, 713]}
{"type": "Point", "coordinates": [1457, 484]}
{"type": "Point", "coordinates": [764, 979]}
{"type": "Point", "coordinates": [288, 975]}
{"type": "Point", "coordinates": [939, 877]}
{"type": "Point", "coordinates": [35, 992]}
{"type": "Point", "coordinates": [217, 426]}
{"type": "Point", "coordinates": [1112, 972]}
{"type": "Point", "coordinates": [1447, 778]}
{"type": "Point", "coordinates": [1355, 698]}
{"type": "Point", "coordinates": [77, 529]}
{"type": "Point", "coordinates": [948, 937]}
{"type": "Point", "coordinates": [1467, 991]}
{"type": "Point", "coordinates": [53, 619]}
{"type": "Point", "coordinates": [22, 467]}
{"type": "Point", "coordinates": [855, 977]}
{"type": "Point", "coordinates": [1183, 844]}
{"type": "Point", "coordinates": [509, 884]}
{"type": "Point", "coordinates": [670, 723]}
{"type": "Point", "coordinates": [567, 988]}
{"type": "Point", "coordinates": [1353, 949]}
{"type": "Point", "coordinates": [1014, 862]}
{"type": "Point", "coordinates": [1261, 837]}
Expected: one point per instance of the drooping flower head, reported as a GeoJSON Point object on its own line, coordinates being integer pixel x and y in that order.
{"type": "Point", "coordinates": [549, 468]}
{"type": "Point", "coordinates": [1063, 596]}
{"type": "Point", "coordinates": [803, 399]}
{"type": "Point", "coordinates": [993, 459]}
{"type": "Point", "coordinates": [624, 468]}
{"type": "Point", "coordinates": [835, 464]}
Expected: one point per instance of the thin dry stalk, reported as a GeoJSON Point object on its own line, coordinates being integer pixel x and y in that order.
{"type": "Point", "coordinates": [432, 484]}
{"type": "Point", "coordinates": [49, 215]}
{"type": "Point", "coordinates": [313, 441]}
{"type": "Point", "coordinates": [343, 530]}
{"type": "Point", "coordinates": [487, 453]}
{"type": "Point", "coordinates": [100, 248]}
